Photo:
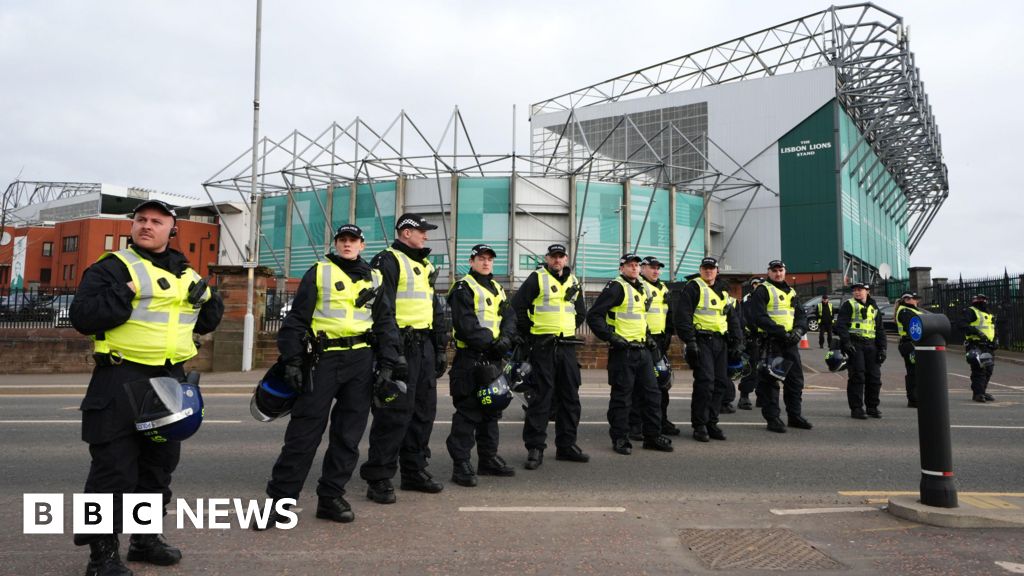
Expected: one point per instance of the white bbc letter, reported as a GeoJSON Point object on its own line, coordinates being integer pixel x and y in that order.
{"type": "Point", "coordinates": [43, 514]}
{"type": "Point", "coordinates": [218, 508]}
{"type": "Point", "coordinates": [143, 514]}
{"type": "Point", "coordinates": [196, 516]}
{"type": "Point", "coordinates": [92, 514]}
{"type": "Point", "coordinates": [281, 507]}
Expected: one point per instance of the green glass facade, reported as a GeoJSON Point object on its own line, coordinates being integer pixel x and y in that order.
{"type": "Point", "coordinates": [309, 236]}
{"type": "Point", "coordinates": [273, 214]}
{"type": "Point", "coordinates": [657, 232]}
{"type": "Point", "coordinates": [375, 214]}
{"type": "Point", "coordinates": [483, 213]}
{"type": "Point", "coordinates": [689, 229]}
{"type": "Point", "coordinates": [599, 210]}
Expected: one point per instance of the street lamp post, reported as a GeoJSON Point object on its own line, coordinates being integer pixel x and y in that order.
{"type": "Point", "coordinates": [248, 327]}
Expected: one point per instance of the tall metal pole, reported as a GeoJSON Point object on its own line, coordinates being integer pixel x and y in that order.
{"type": "Point", "coordinates": [248, 328]}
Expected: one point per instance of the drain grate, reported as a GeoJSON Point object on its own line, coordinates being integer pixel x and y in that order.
{"type": "Point", "coordinates": [771, 549]}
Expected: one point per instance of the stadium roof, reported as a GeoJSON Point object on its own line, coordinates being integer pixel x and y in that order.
{"type": "Point", "coordinates": [878, 83]}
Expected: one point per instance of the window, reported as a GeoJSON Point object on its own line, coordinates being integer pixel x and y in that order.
{"type": "Point", "coordinates": [70, 244]}
{"type": "Point", "coordinates": [124, 243]}
{"type": "Point", "coordinates": [213, 247]}
{"type": "Point", "coordinates": [44, 275]}
{"type": "Point", "coordinates": [47, 248]}
{"type": "Point", "coordinates": [191, 246]}
{"type": "Point", "coordinates": [108, 242]}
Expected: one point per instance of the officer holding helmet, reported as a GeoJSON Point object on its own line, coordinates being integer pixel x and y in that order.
{"type": "Point", "coordinates": [752, 343]}
{"type": "Point", "coordinates": [781, 323]}
{"type": "Point", "coordinates": [979, 338]}
{"type": "Point", "coordinates": [862, 336]}
{"type": "Point", "coordinates": [906, 309]}
{"type": "Point", "coordinates": [549, 308]}
{"type": "Point", "coordinates": [141, 306]}
{"type": "Point", "coordinates": [659, 315]}
{"type": "Point", "coordinates": [710, 328]}
{"type": "Point", "coordinates": [619, 317]}
{"type": "Point", "coordinates": [340, 303]}
{"type": "Point", "coordinates": [484, 332]}
{"type": "Point", "coordinates": [400, 435]}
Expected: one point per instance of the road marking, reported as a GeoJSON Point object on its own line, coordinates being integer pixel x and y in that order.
{"type": "Point", "coordinates": [891, 529]}
{"type": "Point", "coordinates": [989, 503]}
{"type": "Point", "coordinates": [885, 493]}
{"type": "Point", "coordinates": [1011, 567]}
{"type": "Point", "coordinates": [541, 509]}
{"type": "Point", "coordinates": [988, 427]}
{"type": "Point", "coordinates": [804, 511]}
{"type": "Point", "coordinates": [79, 421]}
{"type": "Point", "coordinates": [990, 382]}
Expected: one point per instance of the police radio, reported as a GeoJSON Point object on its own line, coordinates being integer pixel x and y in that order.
{"type": "Point", "coordinates": [571, 292]}
{"type": "Point", "coordinates": [198, 290]}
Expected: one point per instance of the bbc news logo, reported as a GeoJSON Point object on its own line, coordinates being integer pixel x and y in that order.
{"type": "Point", "coordinates": [143, 513]}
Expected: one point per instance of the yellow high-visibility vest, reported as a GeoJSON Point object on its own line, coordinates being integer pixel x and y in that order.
{"type": "Point", "coordinates": [336, 314]}
{"type": "Point", "coordinates": [709, 314]}
{"type": "Point", "coordinates": [983, 321]}
{"type": "Point", "coordinates": [862, 320]}
{"type": "Point", "coordinates": [551, 312]}
{"type": "Point", "coordinates": [780, 306]}
{"type": "Point", "coordinates": [160, 327]}
{"type": "Point", "coordinates": [657, 312]}
{"type": "Point", "coordinates": [414, 298]}
{"type": "Point", "coordinates": [486, 305]}
{"type": "Point", "coordinates": [629, 318]}
{"type": "Point", "coordinates": [899, 325]}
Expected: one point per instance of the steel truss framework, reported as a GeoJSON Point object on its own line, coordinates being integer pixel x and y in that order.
{"type": "Point", "coordinates": [357, 153]}
{"type": "Point", "coordinates": [877, 82]}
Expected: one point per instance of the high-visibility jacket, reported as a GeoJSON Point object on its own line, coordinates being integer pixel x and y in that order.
{"type": "Point", "coordinates": [414, 298]}
{"type": "Point", "coordinates": [487, 306]}
{"type": "Point", "coordinates": [862, 319]}
{"type": "Point", "coordinates": [657, 311]}
{"type": "Point", "coordinates": [629, 318]}
{"type": "Point", "coordinates": [335, 313]}
{"type": "Point", "coordinates": [160, 327]}
{"type": "Point", "coordinates": [551, 312]}
{"type": "Point", "coordinates": [709, 314]}
{"type": "Point", "coordinates": [983, 322]}
{"type": "Point", "coordinates": [900, 328]}
{"type": "Point", "coordinates": [780, 306]}
{"type": "Point", "coordinates": [820, 311]}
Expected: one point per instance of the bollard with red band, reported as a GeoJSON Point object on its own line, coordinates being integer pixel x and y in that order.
{"type": "Point", "coordinates": [929, 333]}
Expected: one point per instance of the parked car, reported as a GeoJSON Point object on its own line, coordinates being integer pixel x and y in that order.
{"type": "Point", "coordinates": [811, 309]}
{"type": "Point", "coordinates": [888, 316]}
{"type": "Point", "coordinates": [22, 307]}
{"type": "Point", "coordinates": [61, 309]}
{"type": "Point", "coordinates": [286, 308]}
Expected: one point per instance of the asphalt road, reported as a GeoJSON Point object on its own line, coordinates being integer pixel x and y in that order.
{"type": "Point", "coordinates": [652, 505]}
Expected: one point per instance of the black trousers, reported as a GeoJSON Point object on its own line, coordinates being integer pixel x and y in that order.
{"type": "Point", "coordinates": [556, 377]}
{"type": "Point", "coordinates": [864, 382]}
{"type": "Point", "coordinates": [710, 379]}
{"type": "Point", "coordinates": [122, 460]}
{"type": "Point", "coordinates": [636, 410]}
{"type": "Point", "coordinates": [471, 424]}
{"type": "Point", "coordinates": [342, 379]}
{"type": "Point", "coordinates": [792, 387]}
{"type": "Point", "coordinates": [629, 369]}
{"type": "Point", "coordinates": [400, 435]}
{"type": "Point", "coordinates": [753, 347]}
{"type": "Point", "coordinates": [824, 333]}
{"type": "Point", "coordinates": [980, 376]}
{"type": "Point", "coordinates": [910, 380]}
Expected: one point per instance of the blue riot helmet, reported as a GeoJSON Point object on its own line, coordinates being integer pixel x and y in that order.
{"type": "Point", "coordinates": [776, 367]}
{"type": "Point", "coordinates": [980, 359]}
{"type": "Point", "coordinates": [493, 392]}
{"type": "Point", "coordinates": [170, 410]}
{"type": "Point", "coordinates": [739, 367]}
{"type": "Point", "coordinates": [518, 375]}
{"type": "Point", "coordinates": [835, 359]}
{"type": "Point", "coordinates": [663, 373]}
{"type": "Point", "coordinates": [272, 398]}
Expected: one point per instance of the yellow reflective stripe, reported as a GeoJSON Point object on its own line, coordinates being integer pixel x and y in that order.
{"type": "Point", "coordinates": [144, 292]}
{"type": "Point", "coordinates": [409, 290]}
{"type": "Point", "coordinates": [630, 313]}
{"type": "Point", "coordinates": [865, 326]}
{"type": "Point", "coordinates": [983, 322]}
{"type": "Point", "coordinates": [325, 310]}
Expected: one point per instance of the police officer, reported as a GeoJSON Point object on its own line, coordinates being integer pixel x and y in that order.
{"type": "Point", "coordinates": [710, 328]}
{"type": "Point", "coordinates": [549, 308]}
{"type": "Point", "coordinates": [484, 330]}
{"type": "Point", "coordinates": [979, 335]}
{"type": "Point", "coordinates": [781, 323]}
{"type": "Point", "coordinates": [906, 309]}
{"type": "Point", "coordinates": [824, 322]}
{"type": "Point", "coordinates": [752, 344]}
{"type": "Point", "coordinates": [860, 331]}
{"type": "Point", "coordinates": [399, 435]}
{"type": "Point", "coordinates": [340, 302]}
{"type": "Point", "coordinates": [619, 317]}
{"type": "Point", "coordinates": [659, 316]}
{"type": "Point", "coordinates": [141, 306]}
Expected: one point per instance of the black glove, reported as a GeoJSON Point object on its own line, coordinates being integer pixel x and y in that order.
{"type": "Point", "coordinates": [735, 356]}
{"type": "Point", "coordinates": [692, 353]}
{"type": "Point", "coordinates": [881, 357]}
{"type": "Point", "coordinates": [849, 348]}
{"type": "Point", "coordinates": [652, 344]}
{"type": "Point", "coordinates": [400, 369]}
{"type": "Point", "coordinates": [500, 347]}
{"type": "Point", "coordinates": [440, 364]}
{"type": "Point", "coordinates": [793, 337]}
{"type": "Point", "coordinates": [292, 375]}
{"type": "Point", "coordinates": [618, 342]}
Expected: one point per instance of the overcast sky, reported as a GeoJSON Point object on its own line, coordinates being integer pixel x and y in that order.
{"type": "Point", "coordinates": [159, 94]}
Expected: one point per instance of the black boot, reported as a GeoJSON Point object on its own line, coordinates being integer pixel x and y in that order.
{"type": "Point", "coordinates": [463, 474]}
{"type": "Point", "coordinates": [273, 519]}
{"type": "Point", "coordinates": [420, 481]}
{"type": "Point", "coordinates": [336, 508]}
{"type": "Point", "coordinates": [104, 558]}
{"type": "Point", "coordinates": [494, 466]}
{"type": "Point", "coordinates": [152, 549]}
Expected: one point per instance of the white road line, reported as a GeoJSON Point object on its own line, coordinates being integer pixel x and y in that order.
{"type": "Point", "coordinates": [79, 421]}
{"type": "Point", "coordinates": [541, 509]}
{"type": "Point", "coordinates": [990, 382]}
{"type": "Point", "coordinates": [803, 511]}
{"type": "Point", "coordinates": [988, 427]}
{"type": "Point", "coordinates": [1011, 567]}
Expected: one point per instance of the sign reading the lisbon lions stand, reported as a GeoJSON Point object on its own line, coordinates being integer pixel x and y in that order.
{"type": "Point", "coordinates": [804, 148]}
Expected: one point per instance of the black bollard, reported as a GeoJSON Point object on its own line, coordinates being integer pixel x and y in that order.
{"type": "Point", "coordinates": [929, 333]}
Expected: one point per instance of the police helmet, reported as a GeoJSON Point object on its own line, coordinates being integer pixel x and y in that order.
{"type": "Point", "coordinates": [493, 392]}
{"type": "Point", "coordinates": [170, 410]}
{"type": "Point", "coordinates": [980, 359]}
{"type": "Point", "coordinates": [835, 359]}
{"type": "Point", "coordinates": [739, 368]}
{"type": "Point", "coordinates": [663, 373]}
{"type": "Point", "coordinates": [776, 367]}
{"type": "Point", "coordinates": [387, 391]}
{"type": "Point", "coordinates": [272, 398]}
{"type": "Point", "coordinates": [518, 375]}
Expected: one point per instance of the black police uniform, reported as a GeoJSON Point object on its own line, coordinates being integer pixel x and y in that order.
{"type": "Point", "coordinates": [774, 338]}
{"type": "Point", "coordinates": [824, 324]}
{"type": "Point", "coordinates": [471, 423]}
{"type": "Point", "coordinates": [400, 435]}
{"type": "Point", "coordinates": [123, 461]}
{"type": "Point", "coordinates": [707, 354]}
{"type": "Point", "coordinates": [664, 341]}
{"type": "Point", "coordinates": [975, 339]}
{"type": "Point", "coordinates": [341, 377]}
{"type": "Point", "coordinates": [904, 313]}
{"type": "Point", "coordinates": [556, 372]}
{"type": "Point", "coordinates": [629, 366]}
{"type": "Point", "coordinates": [752, 345]}
{"type": "Point", "coordinates": [864, 357]}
